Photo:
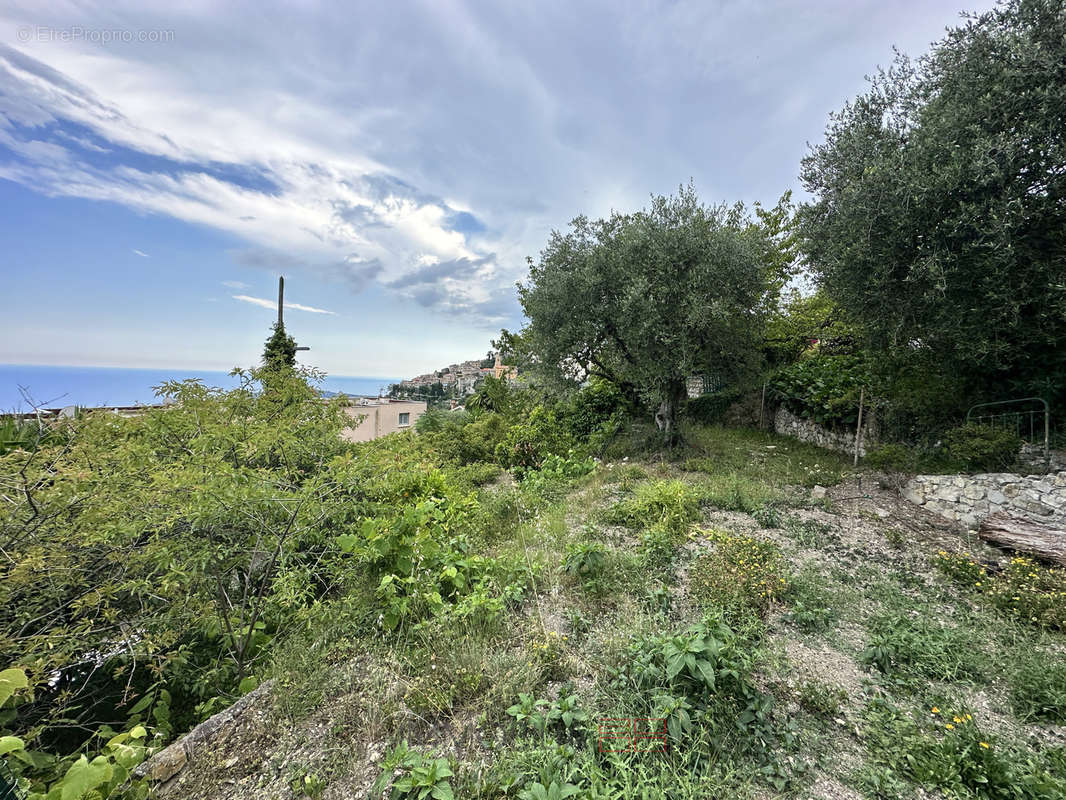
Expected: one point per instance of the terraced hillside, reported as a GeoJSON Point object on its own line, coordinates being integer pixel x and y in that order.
{"type": "Point", "coordinates": [751, 619]}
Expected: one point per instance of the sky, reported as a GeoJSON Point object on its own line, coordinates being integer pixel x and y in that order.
{"type": "Point", "coordinates": [161, 164]}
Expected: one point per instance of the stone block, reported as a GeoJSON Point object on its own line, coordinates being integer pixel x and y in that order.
{"type": "Point", "coordinates": [996, 496]}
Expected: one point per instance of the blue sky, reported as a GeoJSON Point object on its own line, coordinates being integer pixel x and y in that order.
{"type": "Point", "coordinates": [397, 162]}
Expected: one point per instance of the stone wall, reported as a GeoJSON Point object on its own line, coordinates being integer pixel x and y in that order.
{"type": "Point", "coordinates": [968, 499]}
{"type": "Point", "coordinates": [788, 424]}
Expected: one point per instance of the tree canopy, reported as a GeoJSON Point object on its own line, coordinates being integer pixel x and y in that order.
{"type": "Point", "coordinates": [280, 349]}
{"type": "Point", "coordinates": [646, 300]}
{"type": "Point", "coordinates": [939, 209]}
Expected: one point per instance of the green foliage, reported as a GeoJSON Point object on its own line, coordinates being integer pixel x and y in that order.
{"type": "Point", "coordinates": [917, 648]}
{"type": "Point", "coordinates": [947, 750]}
{"type": "Point", "coordinates": [759, 465]}
{"type": "Point", "coordinates": [983, 448]}
{"type": "Point", "coordinates": [540, 715]}
{"type": "Point", "coordinates": [1038, 688]}
{"type": "Point", "coordinates": [623, 299]}
{"type": "Point", "coordinates": [419, 776]}
{"type": "Point", "coordinates": [822, 698]}
{"type": "Point", "coordinates": [585, 561]}
{"type": "Point", "coordinates": [807, 324]}
{"type": "Point", "coordinates": [280, 350]}
{"type": "Point", "coordinates": [823, 388]}
{"type": "Point", "coordinates": [555, 474]}
{"type": "Point", "coordinates": [673, 504]}
{"type": "Point", "coordinates": [1025, 589]}
{"type": "Point", "coordinates": [528, 443]}
{"type": "Point", "coordinates": [196, 524]}
{"type": "Point", "coordinates": [739, 575]}
{"type": "Point", "coordinates": [811, 608]}
{"type": "Point", "coordinates": [935, 216]}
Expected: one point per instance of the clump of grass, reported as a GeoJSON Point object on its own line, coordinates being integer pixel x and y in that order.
{"type": "Point", "coordinates": [740, 575]}
{"type": "Point", "coordinates": [809, 532]}
{"type": "Point", "coordinates": [1038, 688]}
{"type": "Point", "coordinates": [811, 607]}
{"type": "Point", "coordinates": [917, 648]}
{"type": "Point", "coordinates": [671, 503]}
{"type": "Point", "coordinates": [738, 493]}
{"type": "Point", "coordinates": [1025, 589]}
{"type": "Point", "coordinates": [821, 698]}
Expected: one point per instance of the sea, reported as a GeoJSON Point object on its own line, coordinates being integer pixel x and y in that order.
{"type": "Point", "coordinates": [23, 386]}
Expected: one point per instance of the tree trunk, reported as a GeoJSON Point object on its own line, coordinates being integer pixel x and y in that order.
{"type": "Point", "coordinates": [1025, 536]}
{"type": "Point", "coordinates": [666, 417]}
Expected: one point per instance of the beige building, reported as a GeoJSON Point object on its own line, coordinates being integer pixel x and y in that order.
{"type": "Point", "coordinates": [380, 416]}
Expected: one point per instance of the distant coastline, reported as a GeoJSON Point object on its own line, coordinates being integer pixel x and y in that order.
{"type": "Point", "coordinates": [58, 386]}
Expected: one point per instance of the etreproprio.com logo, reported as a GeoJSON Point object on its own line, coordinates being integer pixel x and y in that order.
{"type": "Point", "coordinates": [77, 33]}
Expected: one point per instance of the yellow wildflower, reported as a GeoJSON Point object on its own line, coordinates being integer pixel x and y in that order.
{"type": "Point", "coordinates": [950, 727]}
{"type": "Point", "coordinates": [984, 745]}
{"type": "Point", "coordinates": [935, 710]}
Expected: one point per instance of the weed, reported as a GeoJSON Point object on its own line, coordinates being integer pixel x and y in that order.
{"type": "Point", "coordinates": [1029, 591]}
{"type": "Point", "coordinates": [413, 774]}
{"type": "Point", "coordinates": [822, 698]}
{"type": "Point", "coordinates": [809, 532]}
{"type": "Point", "coordinates": [767, 516]}
{"type": "Point", "coordinates": [1038, 689]}
{"type": "Point", "coordinates": [914, 648]}
{"type": "Point", "coordinates": [947, 750]}
{"type": "Point", "coordinates": [672, 504]}
{"type": "Point", "coordinates": [810, 605]}
{"type": "Point", "coordinates": [584, 561]}
{"type": "Point", "coordinates": [740, 574]}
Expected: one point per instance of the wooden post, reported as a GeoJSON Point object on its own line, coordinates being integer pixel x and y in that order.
{"type": "Point", "coordinates": [281, 300]}
{"type": "Point", "coordinates": [858, 426]}
{"type": "Point", "coordinates": [762, 403]}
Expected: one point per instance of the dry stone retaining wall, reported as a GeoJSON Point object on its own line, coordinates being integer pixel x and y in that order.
{"type": "Point", "coordinates": [968, 499]}
{"type": "Point", "coordinates": [787, 423]}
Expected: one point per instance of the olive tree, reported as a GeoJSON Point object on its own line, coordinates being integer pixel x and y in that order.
{"type": "Point", "coordinates": [646, 300]}
{"type": "Point", "coordinates": [938, 217]}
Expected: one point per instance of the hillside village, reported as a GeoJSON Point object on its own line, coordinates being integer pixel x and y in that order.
{"type": "Point", "coordinates": [454, 381]}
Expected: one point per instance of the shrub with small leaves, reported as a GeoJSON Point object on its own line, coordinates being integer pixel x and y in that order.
{"type": "Point", "coordinates": [740, 574]}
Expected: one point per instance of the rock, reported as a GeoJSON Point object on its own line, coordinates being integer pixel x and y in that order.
{"type": "Point", "coordinates": [167, 763]}
{"type": "Point", "coordinates": [818, 493]}
{"type": "Point", "coordinates": [914, 495]}
{"type": "Point", "coordinates": [996, 496]}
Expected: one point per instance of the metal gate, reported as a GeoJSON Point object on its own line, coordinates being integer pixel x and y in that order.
{"type": "Point", "coordinates": [1026, 422]}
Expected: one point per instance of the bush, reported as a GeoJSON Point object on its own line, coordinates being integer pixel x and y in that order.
{"type": "Point", "coordinates": [528, 443]}
{"type": "Point", "coordinates": [823, 388]}
{"type": "Point", "coordinates": [670, 503]}
{"type": "Point", "coordinates": [893, 458]}
{"type": "Point", "coordinates": [983, 448]}
{"type": "Point", "coordinates": [740, 574]}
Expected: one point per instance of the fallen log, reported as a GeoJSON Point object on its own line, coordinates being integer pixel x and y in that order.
{"type": "Point", "coordinates": [1025, 536]}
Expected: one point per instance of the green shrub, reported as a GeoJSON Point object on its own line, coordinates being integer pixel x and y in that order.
{"type": "Point", "coordinates": [893, 457]}
{"type": "Point", "coordinates": [709, 409]}
{"type": "Point", "coordinates": [741, 574]}
{"type": "Point", "coordinates": [528, 443]}
{"type": "Point", "coordinates": [421, 776]}
{"type": "Point", "coordinates": [670, 503]}
{"type": "Point", "coordinates": [983, 448]}
{"type": "Point", "coordinates": [823, 388]}
{"type": "Point", "coordinates": [947, 750]}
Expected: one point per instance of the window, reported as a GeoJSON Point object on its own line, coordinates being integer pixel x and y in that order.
{"type": "Point", "coordinates": [405, 419]}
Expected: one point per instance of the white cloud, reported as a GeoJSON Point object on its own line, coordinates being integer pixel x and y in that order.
{"type": "Point", "coordinates": [235, 284]}
{"type": "Point", "coordinates": [260, 301]}
{"type": "Point", "coordinates": [141, 253]}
